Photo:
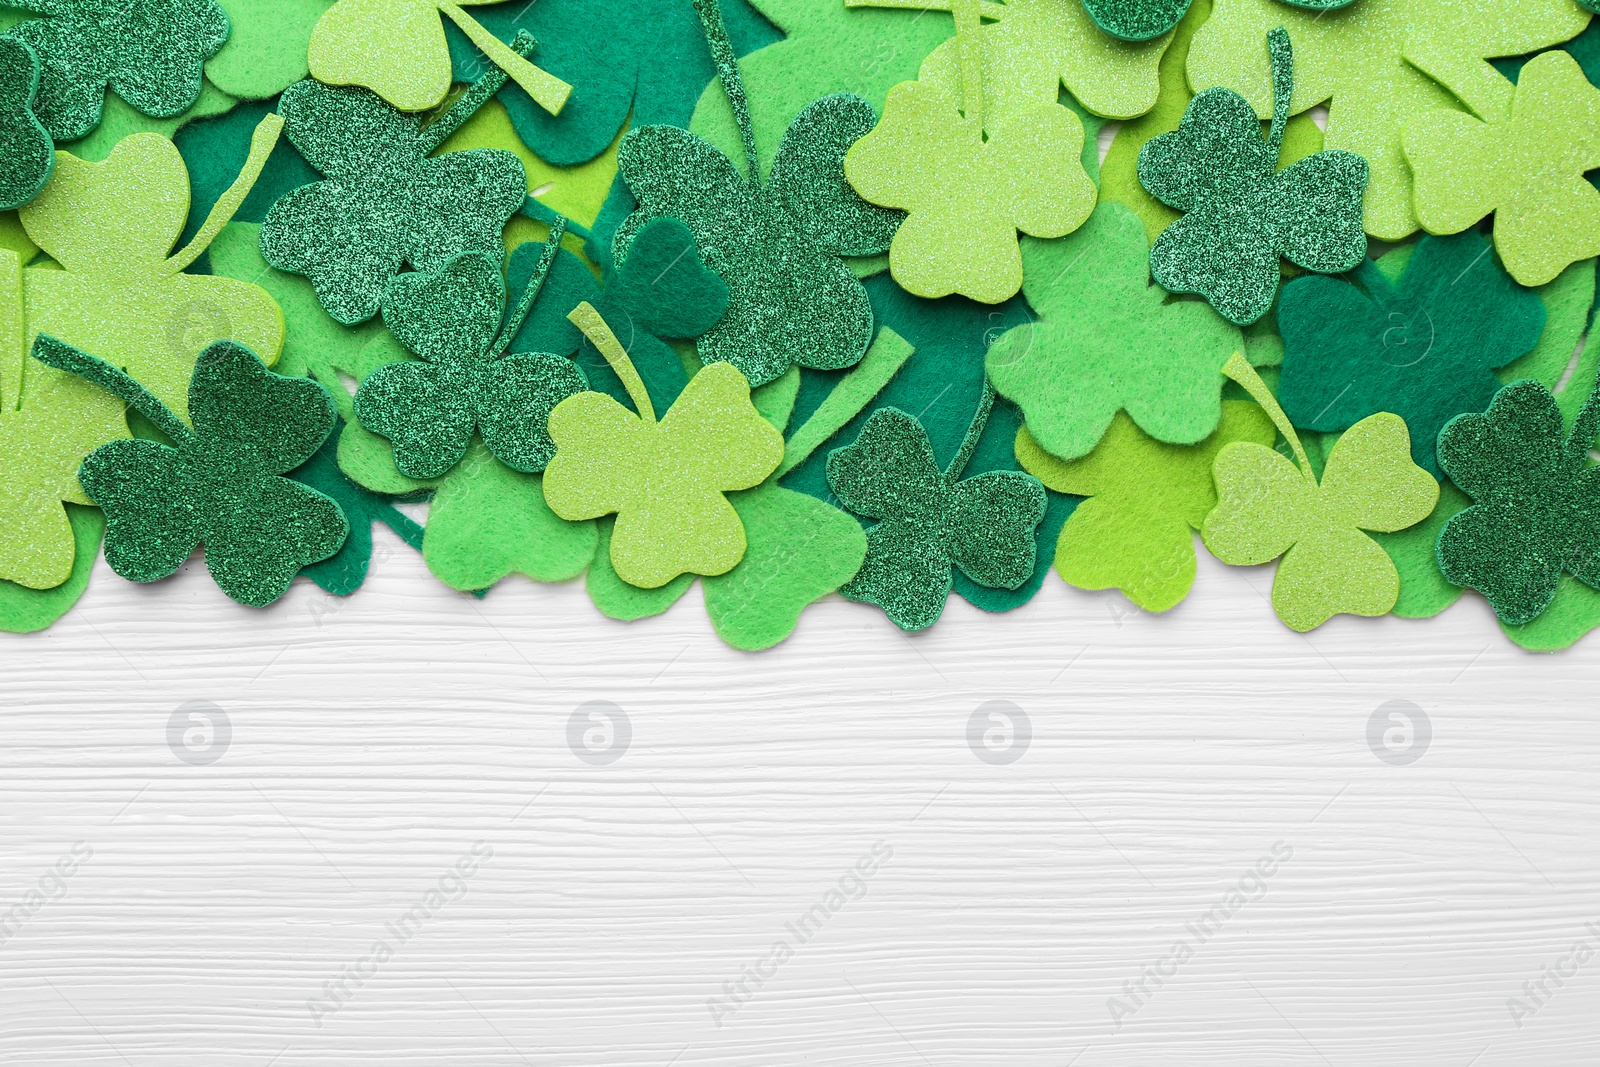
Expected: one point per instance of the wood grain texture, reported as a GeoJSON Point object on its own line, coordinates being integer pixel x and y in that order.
{"type": "Point", "coordinates": [375, 740]}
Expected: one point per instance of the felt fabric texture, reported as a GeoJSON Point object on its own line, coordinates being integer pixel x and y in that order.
{"type": "Point", "coordinates": [397, 49]}
{"type": "Point", "coordinates": [149, 52]}
{"type": "Point", "coordinates": [1424, 347]}
{"type": "Point", "coordinates": [1268, 507]}
{"type": "Point", "coordinates": [615, 598]}
{"type": "Point", "coordinates": [1536, 500]}
{"type": "Point", "coordinates": [384, 202]}
{"type": "Point", "coordinates": [664, 480]}
{"type": "Point", "coordinates": [932, 521]}
{"type": "Point", "coordinates": [1240, 213]}
{"type": "Point", "coordinates": [267, 46]}
{"type": "Point", "coordinates": [214, 150]}
{"type": "Point", "coordinates": [27, 153]}
{"type": "Point", "coordinates": [1105, 340]}
{"type": "Point", "coordinates": [1524, 163]}
{"type": "Point", "coordinates": [1135, 532]}
{"type": "Point", "coordinates": [120, 121]}
{"type": "Point", "coordinates": [1359, 58]}
{"type": "Point", "coordinates": [24, 610]}
{"type": "Point", "coordinates": [1137, 20]}
{"type": "Point", "coordinates": [220, 484]}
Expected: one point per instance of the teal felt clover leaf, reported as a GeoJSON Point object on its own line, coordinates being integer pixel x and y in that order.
{"type": "Point", "coordinates": [385, 202]}
{"type": "Point", "coordinates": [776, 244]}
{"type": "Point", "coordinates": [219, 484]}
{"type": "Point", "coordinates": [930, 521]}
{"type": "Point", "coordinates": [27, 153]}
{"type": "Point", "coordinates": [1536, 500]}
{"type": "Point", "coordinates": [1241, 214]}
{"type": "Point", "coordinates": [150, 52]}
{"type": "Point", "coordinates": [465, 382]}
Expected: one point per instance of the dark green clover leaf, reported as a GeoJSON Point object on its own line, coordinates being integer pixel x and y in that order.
{"type": "Point", "coordinates": [777, 245]}
{"type": "Point", "coordinates": [930, 521]}
{"type": "Point", "coordinates": [27, 154]}
{"type": "Point", "coordinates": [1536, 500]}
{"type": "Point", "coordinates": [384, 202]}
{"type": "Point", "coordinates": [1137, 20]}
{"type": "Point", "coordinates": [1241, 214]}
{"type": "Point", "coordinates": [151, 52]}
{"type": "Point", "coordinates": [219, 484]}
{"type": "Point", "coordinates": [1424, 346]}
{"type": "Point", "coordinates": [466, 383]}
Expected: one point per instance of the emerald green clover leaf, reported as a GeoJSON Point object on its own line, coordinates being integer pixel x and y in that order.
{"type": "Point", "coordinates": [1240, 213]}
{"type": "Point", "coordinates": [1140, 20]}
{"type": "Point", "coordinates": [27, 154]}
{"type": "Point", "coordinates": [267, 46]}
{"type": "Point", "coordinates": [219, 484]}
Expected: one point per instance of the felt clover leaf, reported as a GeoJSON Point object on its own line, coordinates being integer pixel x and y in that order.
{"type": "Point", "coordinates": [343, 572]}
{"type": "Point", "coordinates": [24, 610]}
{"type": "Point", "coordinates": [1536, 500]}
{"type": "Point", "coordinates": [384, 202]}
{"type": "Point", "coordinates": [397, 49]}
{"type": "Point", "coordinates": [1268, 507]}
{"type": "Point", "coordinates": [149, 51]}
{"type": "Point", "coordinates": [1373, 60]}
{"type": "Point", "coordinates": [267, 46]}
{"type": "Point", "coordinates": [776, 244]}
{"type": "Point", "coordinates": [930, 521]}
{"type": "Point", "coordinates": [1106, 340]}
{"type": "Point", "coordinates": [664, 480]}
{"type": "Point", "coordinates": [1146, 499]}
{"type": "Point", "coordinates": [466, 383]}
{"type": "Point", "coordinates": [1138, 20]}
{"type": "Point", "coordinates": [27, 154]}
{"type": "Point", "coordinates": [1240, 213]}
{"type": "Point", "coordinates": [1423, 347]}
{"type": "Point", "coordinates": [1525, 163]}
{"type": "Point", "coordinates": [219, 484]}
{"type": "Point", "coordinates": [974, 184]}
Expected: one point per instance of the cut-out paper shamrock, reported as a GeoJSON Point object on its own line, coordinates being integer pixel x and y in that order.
{"type": "Point", "coordinates": [1240, 213]}
{"type": "Point", "coordinates": [1267, 507]}
{"type": "Point", "coordinates": [219, 484]}
{"type": "Point", "coordinates": [465, 383]}
{"type": "Point", "coordinates": [1424, 347]}
{"type": "Point", "coordinates": [1106, 340]}
{"type": "Point", "coordinates": [1525, 163]}
{"type": "Point", "coordinates": [1536, 500]}
{"type": "Point", "coordinates": [397, 49]}
{"type": "Point", "coordinates": [1136, 531]}
{"type": "Point", "coordinates": [267, 46]}
{"type": "Point", "coordinates": [149, 52]}
{"type": "Point", "coordinates": [385, 203]}
{"type": "Point", "coordinates": [931, 521]}
{"type": "Point", "coordinates": [776, 244]}
{"type": "Point", "coordinates": [1371, 59]}
{"type": "Point", "coordinates": [27, 154]}
{"type": "Point", "coordinates": [664, 480]}
{"type": "Point", "coordinates": [968, 185]}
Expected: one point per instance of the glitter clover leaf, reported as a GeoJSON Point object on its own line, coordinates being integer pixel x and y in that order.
{"type": "Point", "coordinates": [27, 154]}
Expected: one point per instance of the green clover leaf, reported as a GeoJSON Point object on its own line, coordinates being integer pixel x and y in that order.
{"type": "Point", "coordinates": [27, 154]}
{"type": "Point", "coordinates": [1423, 347]}
{"type": "Point", "coordinates": [24, 610]}
{"type": "Point", "coordinates": [1138, 20]}
{"type": "Point", "coordinates": [1240, 213]}
{"type": "Point", "coordinates": [1524, 163]}
{"type": "Point", "coordinates": [267, 48]}
{"type": "Point", "coordinates": [1146, 498]}
{"type": "Point", "coordinates": [219, 484]}
{"type": "Point", "coordinates": [150, 52]}
{"type": "Point", "coordinates": [1268, 507]}
{"type": "Point", "coordinates": [1106, 340]}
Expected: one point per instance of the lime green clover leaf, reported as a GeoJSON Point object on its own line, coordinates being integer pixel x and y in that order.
{"type": "Point", "coordinates": [1267, 507]}
{"type": "Point", "coordinates": [776, 244]}
{"type": "Point", "coordinates": [24, 610]}
{"type": "Point", "coordinates": [27, 154]}
{"type": "Point", "coordinates": [931, 521]}
{"type": "Point", "coordinates": [1135, 532]}
{"type": "Point", "coordinates": [1524, 164]}
{"type": "Point", "coordinates": [267, 48]}
{"type": "Point", "coordinates": [1106, 340]}
{"type": "Point", "coordinates": [397, 49]}
{"type": "Point", "coordinates": [465, 383]}
{"type": "Point", "coordinates": [1373, 60]}
{"type": "Point", "coordinates": [968, 194]}
{"type": "Point", "coordinates": [1241, 213]}
{"type": "Point", "coordinates": [1536, 500]}
{"type": "Point", "coordinates": [664, 480]}
{"type": "Point", "coordinates": [219, 484]}
{"type": "Point", "coordinates": [385, 202]}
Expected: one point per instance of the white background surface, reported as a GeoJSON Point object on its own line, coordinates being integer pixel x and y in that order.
{"type": "Point", "coordinates": [375, 739]}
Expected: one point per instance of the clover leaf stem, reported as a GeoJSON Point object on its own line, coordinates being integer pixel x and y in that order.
{"type": "Point", "coordinates": [846, 399]}
{"type": "Point", "coordinates": [732, 83]}
{"type": "Point", "coordinates": [547, 90]}
{"type": "Point", "coordinates": [262, 143]}
{"type": "Point", "coordinates": [1240, 370]}
{"type": "Point", "coordinates": [1281, 53]}
{"type": "Point", "coordinates": [967, 19]}
{"type": "Point", "coordinates": [530, 292]}
{"type": "Point", "coordinates": [587, 319]}
{"type": "Point", "coordinates": [974, 431]}
{"type": "Point", "coordinates": [467, 104]}
{"type": "Point", "coordinates": [59, 354]}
